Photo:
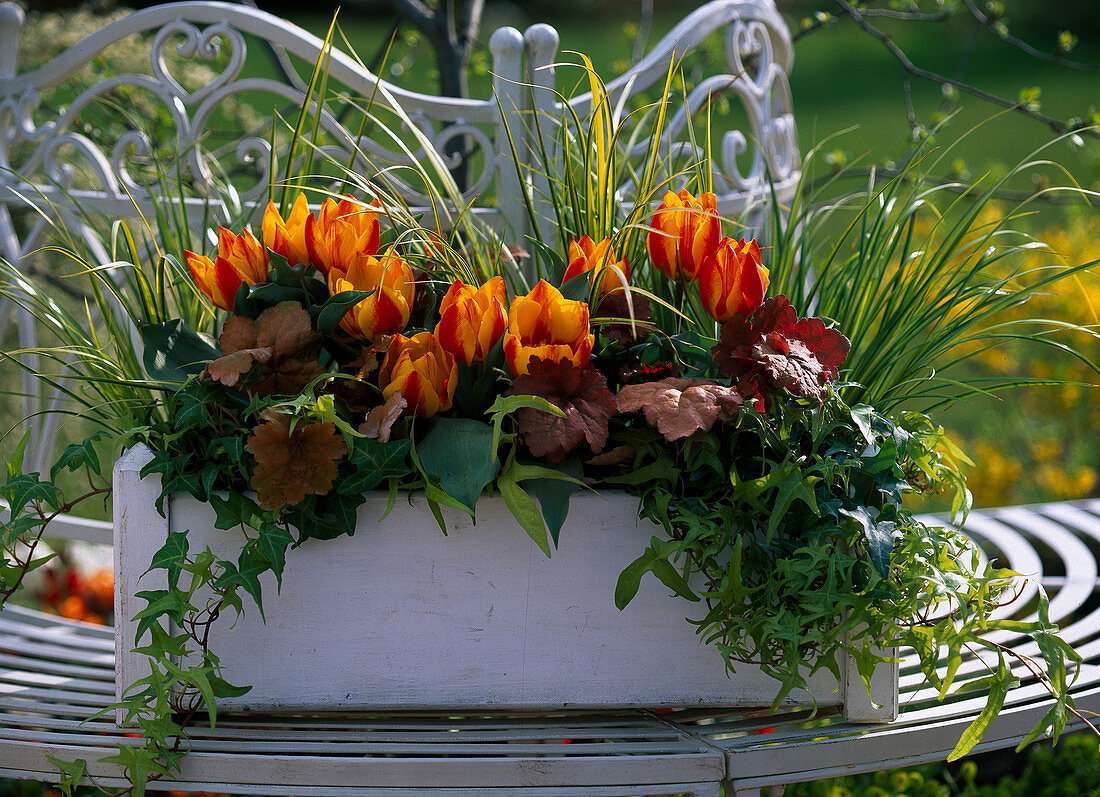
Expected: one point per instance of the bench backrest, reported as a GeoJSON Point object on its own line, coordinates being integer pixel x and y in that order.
{"type": "Point", "coordinates": [171, 124]}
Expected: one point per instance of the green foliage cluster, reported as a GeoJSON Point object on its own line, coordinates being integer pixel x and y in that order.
{"type": "Point", "coordinates": [1072, 769]}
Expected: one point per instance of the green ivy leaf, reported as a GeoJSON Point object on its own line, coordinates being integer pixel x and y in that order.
{"type": "Point", "coordinates": [878, 534]}
{"type": "Point", "coordinates": [372, 463]}
{"type": "Point", "coordinates": [171, 557]}
{"type": "Point", "coordinates": [235, 509]}
{"type": "Point", "coordinates": [71, 773]}
{"type": "Point", "coordinates": [327, 517]}
{"type": "Point", "coordinates": [78, 455]}
{"type": "Point", "coordinates": [274, 540]}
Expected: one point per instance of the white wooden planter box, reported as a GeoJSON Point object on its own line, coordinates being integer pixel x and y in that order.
{"type": "Point", "coordinates": [402, 617]}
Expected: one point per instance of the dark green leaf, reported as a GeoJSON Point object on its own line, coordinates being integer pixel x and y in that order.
{"type": "Point", "coordinates": [332, 311]}
{"type": "Point", "coordinates": [171, 557]}
{"type": "Point", "coordinates": [274, 540]}
{"type": "Point", "coordinates": [372, 463]}
{"type": "Point", "coordinates": [553, 494]}
{"type": "Point", "coordinates": [173, 351]}
{"type": "Point", "coordinates": [878, 534]}
{"type": "Point", "coordinates": [458, 456]}
{"type": "Point", "coordinates": [78, 455]}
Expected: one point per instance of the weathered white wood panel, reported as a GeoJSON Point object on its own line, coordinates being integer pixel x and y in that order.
{"type": "Point", "coordinates": [401, 616]}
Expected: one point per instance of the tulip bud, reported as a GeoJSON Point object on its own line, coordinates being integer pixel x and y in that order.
{"type": "Point", "coordinates": [684, 234]}
{"type": "Point", "coordinates": [288, 238]}
{"type": "Point", "coordinates": [387, 310]}
{"type": "Point", "coordinates": [545, 324]}
{"type": "Point", "coordinates": [240, 258]}
{"type": "Point", "coordinates": [341, 234]}
{"type": "Point", "coordinates": [734, 280]}
{"type": "Point", "coordinates": [422, 371]}
{"type": "Point", "coordinates": [471, 322]}
{"type": "Point", "coordinates": [598, 259]}
{"type": "Point", "coordinates": [215, 278]}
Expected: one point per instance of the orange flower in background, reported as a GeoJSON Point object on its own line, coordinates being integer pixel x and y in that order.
{"type": "Point", "coordinates": [341, 233]}
{"type": "Point", "coordinates": [423, 372]}
{"type": "Point", "coordinates": [387, 310]}
{"type": "Point", "coordinates": [288, 238]}
{"type": "Point", "coordinates": [685, 232]}
{"type": "Point", "coordinates": [545, 324]}
{"type": "Point", "coordinates": [734, 280]}
{"type": "Point", "coordinates": [472, 321]}
{"type": "Point", "coordinates": [598, 260]}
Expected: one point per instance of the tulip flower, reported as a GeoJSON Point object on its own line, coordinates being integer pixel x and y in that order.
{"type": "Point", "coordinates": [734, 280]}
{"type": "Point", "coordinates": [422, 371]}
{"type": "Point", "coordinates": [288, 238]}
{"type": "Point", "coordinates": [340, 234]}
{"type": "Point", "coordinates": [545, 324]}
{"type": "Point", "coordinates": [598, 260]}
{"type": "Point", "coordinates": [240, 258]}
{"type": "Point", "coordinates": [387, 310]}
{"type": "Point", "coordinates": [685, 232]}
{"type": "Point", "coordinates": [472, 321]}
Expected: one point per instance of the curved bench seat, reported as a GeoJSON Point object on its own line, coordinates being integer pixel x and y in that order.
{"type": "Point", "coordinates": [55, 674]}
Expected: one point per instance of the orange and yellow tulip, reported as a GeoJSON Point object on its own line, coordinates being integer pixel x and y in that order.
{"type": "Point", "coordinates": [734, 280]}
{"type": "Point", "coordinates": [387, 310]}
{"type": "Point", "coordinates": [240, 258]}
{"type": "Point", "coordinates": [685, 232]}
{"type": "Point", "coordinates": [545, 324]}
{"type": "Point", "coordinates": [288, 238]}
{"type": "Point", "coordinates": [340, 234]}
{"type": "Point", "coordinates": [215, 278]}
{"type": "Point", "coordinates": [472, 321]}
{"type": "Point", "coordinates": [598, 260]}
{"type": "Point", "coordinates": [422, 371]}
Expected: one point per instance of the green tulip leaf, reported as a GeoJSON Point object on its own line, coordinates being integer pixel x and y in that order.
{"type": "Point", "coordinates": [457, 455]}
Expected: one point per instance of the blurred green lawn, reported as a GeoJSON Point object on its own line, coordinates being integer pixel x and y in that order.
{"type": "Point", "coordinates": [842, 79]}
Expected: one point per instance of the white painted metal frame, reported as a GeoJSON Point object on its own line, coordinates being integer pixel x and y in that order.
{"type": "Point", "coordinates": [54, 674]}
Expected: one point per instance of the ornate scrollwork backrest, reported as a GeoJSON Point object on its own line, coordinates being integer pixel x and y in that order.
{"type": "Point", "coordinates": [747, 165]}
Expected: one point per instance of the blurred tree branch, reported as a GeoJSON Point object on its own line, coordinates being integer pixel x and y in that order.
{"type": "Point", "coordinates": [860, 13]}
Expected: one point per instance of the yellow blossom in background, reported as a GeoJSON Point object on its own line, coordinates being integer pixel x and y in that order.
{"type": "Point", "coordinates": [1042, 442]}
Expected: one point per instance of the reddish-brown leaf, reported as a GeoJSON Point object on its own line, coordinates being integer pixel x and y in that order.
{"type": "Point", "coordinates": [615, 456]}
{"type": "Point", "coordinates": [583, 397]}
{"type": "Point", "coordinates": [381, 419]}
{"type": "Point", "coordinates": [790, 364]}
{"type": "Point", "coordinates": [828, 346]}
{"type": "Point", "coordinates": [229, 369]}
{"type": "Point", "coordinates": [615, 305]}
{"type": "Point", "coordinates": [293, 464]}
{"type": "Point", "coordinates": [680, 407]}
{"type": "Point", "coordinates": [774, 348]}
{"type": "Point", "coordinates": [286, 330]}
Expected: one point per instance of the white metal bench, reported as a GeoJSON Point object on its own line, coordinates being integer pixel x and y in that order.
{"type": "Point", "coordinates": [55, 674]}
